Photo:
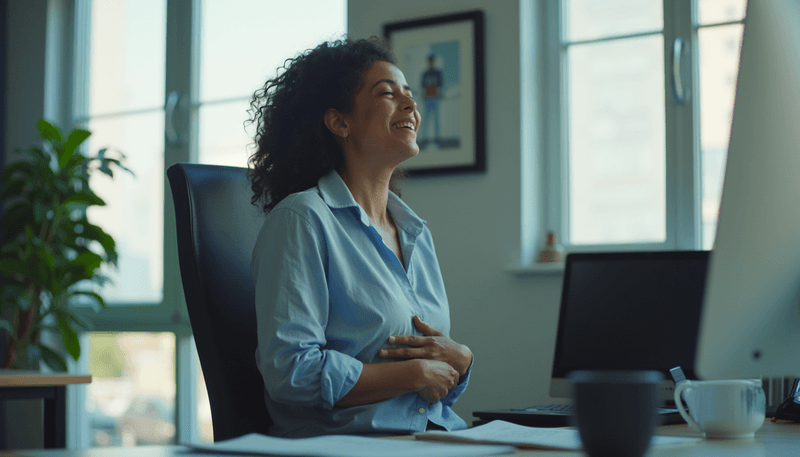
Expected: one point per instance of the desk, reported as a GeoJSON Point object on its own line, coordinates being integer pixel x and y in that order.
{"type": "Point", "coordinates": [50, 387]}
{"type": "Point", "coordinates": [773, 439]}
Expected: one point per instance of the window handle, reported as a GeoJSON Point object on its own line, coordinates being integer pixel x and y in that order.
{"type": "Point", "coordinates": [173, 137]}
{"type": "Point", "coordinates": [680, 92]}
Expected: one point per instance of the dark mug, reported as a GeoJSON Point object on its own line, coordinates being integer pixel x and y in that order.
{"type": "Point", "coordinates": [615, 411]}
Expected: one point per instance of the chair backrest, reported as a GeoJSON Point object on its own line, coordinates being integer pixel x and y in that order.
{"type": "Point", "coordinates": [217, 229]}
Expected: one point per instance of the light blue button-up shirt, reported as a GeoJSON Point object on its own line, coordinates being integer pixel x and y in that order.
{"type": "Point", "coordinates": [329, 293]}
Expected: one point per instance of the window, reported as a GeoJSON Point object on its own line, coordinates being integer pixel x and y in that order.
{"type": "Point", "coordinates": [131, 399]}
{"type": "Point", "coordinates": [643, 95]}
{"type": "Point", "coordinates": [165, 82]}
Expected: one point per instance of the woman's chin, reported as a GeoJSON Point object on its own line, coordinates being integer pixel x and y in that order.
{"type": "Point", "coordinates": [412, 151]}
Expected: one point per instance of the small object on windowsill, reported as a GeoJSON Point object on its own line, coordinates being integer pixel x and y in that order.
{"type": "Point", "coordinates": [552, 252]}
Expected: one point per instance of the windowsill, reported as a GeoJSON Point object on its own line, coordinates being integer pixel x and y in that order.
{"type": "Point", "coordinates": [536, 269]}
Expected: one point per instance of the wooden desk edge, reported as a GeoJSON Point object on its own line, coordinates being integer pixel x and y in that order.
{"type": "Point", "coordinates": [19, 378]}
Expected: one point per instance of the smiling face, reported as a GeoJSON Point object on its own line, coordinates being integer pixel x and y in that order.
{"type": "Point", "coordinates": [382, 126]}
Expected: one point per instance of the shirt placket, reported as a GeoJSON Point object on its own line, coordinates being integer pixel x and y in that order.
{"type": "Point", "coordinates": [419, 409]}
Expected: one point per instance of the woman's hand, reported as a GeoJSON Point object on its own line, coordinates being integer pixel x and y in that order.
{"type": "Point", "coordinates": [433, 346]}
{"type": "Point", "coordinates": [435, 379]}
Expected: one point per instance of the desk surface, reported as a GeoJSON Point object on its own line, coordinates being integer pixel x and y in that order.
{"type": "Point", "coordinates": [773, 439]}
{"type": "Point", "coordinates": [20, 378]}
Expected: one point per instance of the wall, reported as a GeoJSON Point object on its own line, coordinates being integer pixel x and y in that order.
{"type": "Point", "coordinates": [3, 69]}
{"type": "Point", "coordinates": [478, 220]}
{"type": "Point", "coordinates": [25, 29]}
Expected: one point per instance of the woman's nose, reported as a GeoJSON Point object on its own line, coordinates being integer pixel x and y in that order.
{"type": "Point", "coordinates": [410, 104]}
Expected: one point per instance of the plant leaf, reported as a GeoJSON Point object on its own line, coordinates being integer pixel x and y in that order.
{"type": "Point", "coordinates": [12, 266]}
{"type": "Point", "coordinates": [32, 354]}
{"type": "Point", "coordinates": [23, 167]}
{"type": "Point", "coordinates": [95, 233]}
{"type": "Point", "coordinates": [13, 187]}
{"type": "Point", "coordinates": [52, 359]}
{"type": "Point", "coordinates": [76, 137]}
{"type": "Point", "coordinates": [85, 198]}
{"type": "Point", "coordinates": [70, 338]}
{"type": "Point", "coordinates": [49, 132]}
{"type": "Point", "coordinates": [88, 259]}
{"type": "Point", "coordinates": [16, 218]}
{"type": "Point", "coordinates": [94, 296]}
{"type": "Point", "coordinates": [39, 212]}
{"type": "Point", "coordinates": [106, 163]}
{"type": "Point", "coordinates": [6, 325]}
{"type": "Point", "coordinates": [71, 316]}
{"type": "Point", "coordinates": [46, 264]}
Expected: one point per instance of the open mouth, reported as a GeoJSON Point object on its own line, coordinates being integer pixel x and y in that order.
{"type": "Point", "coordinates": [404, 125]}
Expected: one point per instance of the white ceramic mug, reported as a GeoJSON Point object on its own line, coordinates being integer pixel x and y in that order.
{"type": "Point", "coordinates": [733, 408]}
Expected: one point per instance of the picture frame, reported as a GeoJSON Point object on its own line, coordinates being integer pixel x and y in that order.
{"type": "Point", "coordinates": [442, 58]}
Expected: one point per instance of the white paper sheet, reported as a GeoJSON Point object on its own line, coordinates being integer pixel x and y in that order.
{"type": "Point", "coordinates": [346, 446]}
{"type": "Point", "coordinates": [501, 432]}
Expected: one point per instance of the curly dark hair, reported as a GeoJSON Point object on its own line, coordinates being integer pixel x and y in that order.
{"type": "Point", "coordinates": [294, 148]}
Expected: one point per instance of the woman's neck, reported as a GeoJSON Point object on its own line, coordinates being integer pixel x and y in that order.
{"type": "Point", "coordinates": [370, 190]}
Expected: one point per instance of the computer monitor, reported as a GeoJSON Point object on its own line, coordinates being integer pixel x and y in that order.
{"type": "Point", "coordinates": [750, 322]}
{"type": "Point", "coordinates": [629, 311]}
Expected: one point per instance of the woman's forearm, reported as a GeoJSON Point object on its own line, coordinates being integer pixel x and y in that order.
{"type": "Point", "coordinates": [379, 382]}
{"type": "Point", "coordinates": [431, 379]}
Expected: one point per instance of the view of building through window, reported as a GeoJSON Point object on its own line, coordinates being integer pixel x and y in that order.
{"type": "Point", "coordinates": [256, 44]}
{"type": "Point", "coordinates": [124, 111]}
{"type": "Point", "coordinates": [616, 138]}
{"type": "Point", "coordinates": [718, 48]}
{"type": "Point", "coordinates": [131, 399]}
{"type": "Point", "coordinates": [616, 146]}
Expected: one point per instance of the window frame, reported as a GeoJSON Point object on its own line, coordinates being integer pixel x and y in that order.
{"type": "Point", "coordinates": [170, 315]}
{"type": "Point", "coordinates": [683, 196]}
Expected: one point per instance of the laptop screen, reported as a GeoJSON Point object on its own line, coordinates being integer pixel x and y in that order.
{"type": "Point", "coordinates": [629, 311]}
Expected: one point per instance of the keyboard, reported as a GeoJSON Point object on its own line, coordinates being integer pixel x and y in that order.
{"type": "Point", "coordinates": [554, 416]}
{"type": "Point", "coordinates": [570, 409]}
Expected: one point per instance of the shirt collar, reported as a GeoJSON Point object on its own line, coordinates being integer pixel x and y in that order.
{"type": "Point", "coordinates": [335, 194]}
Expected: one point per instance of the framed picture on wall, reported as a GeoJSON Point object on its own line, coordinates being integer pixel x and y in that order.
{"type": "Point", "coordinates": [442, 60]}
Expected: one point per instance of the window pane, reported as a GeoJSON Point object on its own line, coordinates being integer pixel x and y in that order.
{"type": "Point", "coordinates": [591, 19]}
{"type": "Point", "coordinates": [244, 41]}
{"type": "Point", "coordinates": [204, 424]}
{"type": "Point", "coordinates": [223, 138]}
{"type": "Point", "coordinates": [617, 171]}
{"type": "Point", "coordinates": [134, 214]}
{"type": "Point", "coordinates": [716, 11]}
{"type": "Point", "coordinates": [127, 57]}
{"type": "Point", "coordinates": [719, 66]}
{"type": "Point", "coordinates": [131, 399]}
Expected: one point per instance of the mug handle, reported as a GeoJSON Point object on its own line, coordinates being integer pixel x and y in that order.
{"type": "Point", "coordinates": [677, 397]}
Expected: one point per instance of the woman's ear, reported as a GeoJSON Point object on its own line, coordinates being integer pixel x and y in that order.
{"type": "Point", "coordinates": [336, 123]}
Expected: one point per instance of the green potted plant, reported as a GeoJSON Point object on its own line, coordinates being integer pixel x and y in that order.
{"type": "Point", "coordinates": [52, 254]}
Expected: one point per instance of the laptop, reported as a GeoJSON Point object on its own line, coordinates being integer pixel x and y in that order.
{"type": "Point", "coordinates": [621, 311]}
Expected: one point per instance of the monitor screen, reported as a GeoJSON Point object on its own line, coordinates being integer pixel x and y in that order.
{"type": "Point", "coordinates": [750, 324]}
{"type": "Point", "coordinates": [629, 311]}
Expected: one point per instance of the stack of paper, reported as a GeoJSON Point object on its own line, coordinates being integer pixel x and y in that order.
{"type": "Point", "coordinates": [346, 446]}
{"type": "Point", "coordinates": [501, 432]}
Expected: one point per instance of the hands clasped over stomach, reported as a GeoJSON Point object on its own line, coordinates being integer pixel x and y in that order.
{"type": "Point", "coordinates": [440, 361]}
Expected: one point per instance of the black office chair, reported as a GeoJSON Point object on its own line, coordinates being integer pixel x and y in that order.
{"type": "Point", "coordinates": [217, 229]}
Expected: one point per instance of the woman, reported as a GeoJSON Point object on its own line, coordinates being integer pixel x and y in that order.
{"type": "Point", "coordinates": [352, 313]}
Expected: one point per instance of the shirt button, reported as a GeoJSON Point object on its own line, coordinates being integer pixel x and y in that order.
{"type": "Point", "coordinates": [422, 410]}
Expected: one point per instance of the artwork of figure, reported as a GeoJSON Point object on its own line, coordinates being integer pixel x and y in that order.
{"type": "Point", "coordinates": [432, 81]}
{"type": "Point", "coordinates": [437, 88]}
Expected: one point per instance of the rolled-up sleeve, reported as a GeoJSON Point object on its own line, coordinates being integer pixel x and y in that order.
{"type": "Point", "coordinates": [455, 392]}
{"type": "Point", "coordinates": [292, 309]}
